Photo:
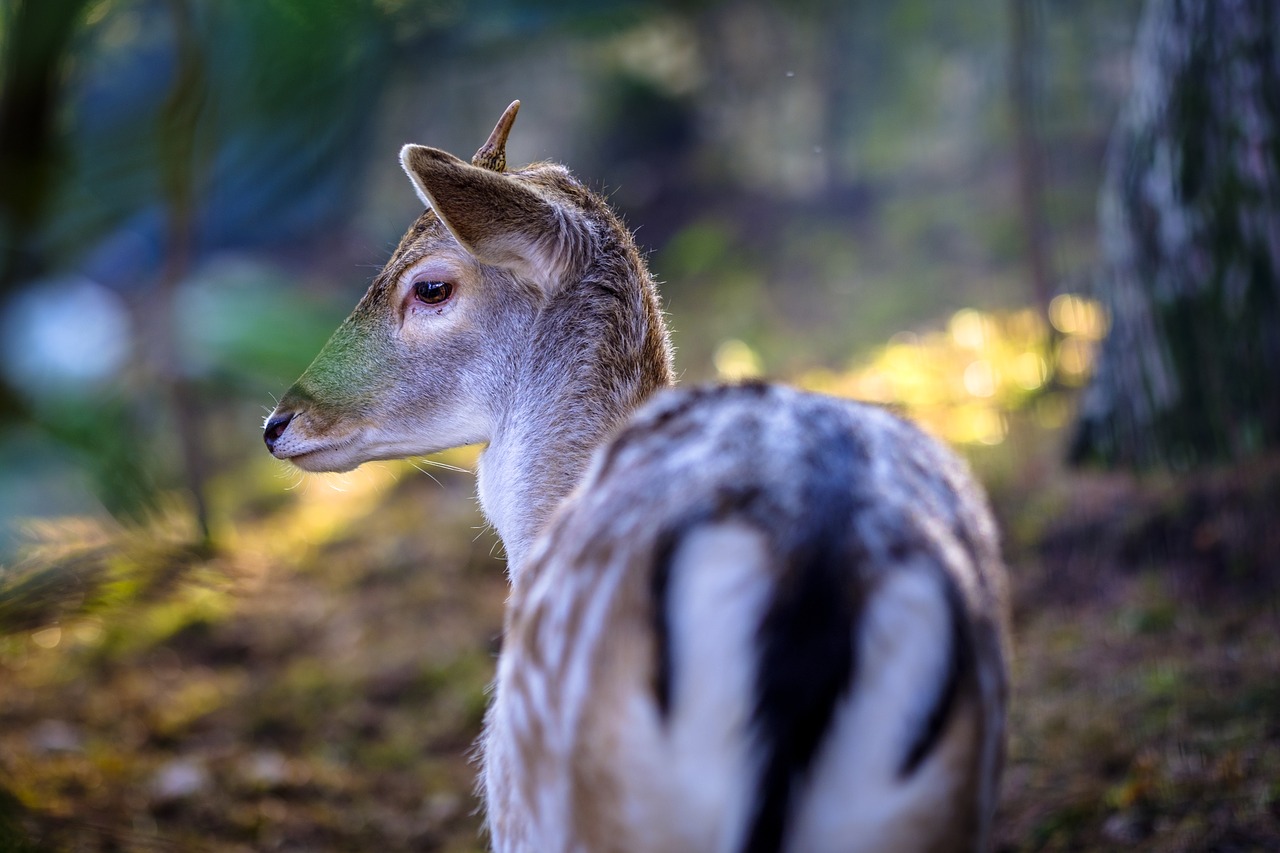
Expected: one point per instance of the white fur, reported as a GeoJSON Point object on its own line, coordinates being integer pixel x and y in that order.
{"type": "Point", "coordinates": [856, 790]}
{"type": "Point", "coordinates": [697, 770]}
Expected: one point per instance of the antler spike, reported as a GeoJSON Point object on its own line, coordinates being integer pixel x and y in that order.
{"type": "Point", "coordinates": [493, 154]}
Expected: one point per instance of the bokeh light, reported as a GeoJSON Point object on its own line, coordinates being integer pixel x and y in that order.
{"type": "Point", "coordinates": [964, 383]}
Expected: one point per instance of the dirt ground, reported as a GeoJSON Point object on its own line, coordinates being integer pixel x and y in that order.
{"type": "Point", "coordinates": [317, 684]}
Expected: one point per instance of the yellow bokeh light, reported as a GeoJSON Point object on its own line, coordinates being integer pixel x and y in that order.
{"type": "Point", "coordinates": [975, 424]}
{"type": "Point", "coordinates": [872, 385]}
{"type": "Point", "coordinates": [1029, 370]}
{"type": "Point", "coordinates": [967, 329]}
{"type": "Point", "coordinates": [979, 379]}
{"type": "Point", "coordinates": [1096, 320]}
{"type": "Point", "coordinates": [1075, 315]}
{"type": "Point", "coordinates": [1062, 313]}
{"type": "Point", "coordinates": [735, 360]}
{"type": "Point", "coordinates": [960, 383]}
{"type": "Point", "coordinates": [1075, 357]}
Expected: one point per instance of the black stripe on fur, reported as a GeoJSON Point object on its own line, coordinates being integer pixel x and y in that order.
{"type": "Point", "coordinates": [659, 590]}
{"type": "Point", "coordinates": [806, 653]}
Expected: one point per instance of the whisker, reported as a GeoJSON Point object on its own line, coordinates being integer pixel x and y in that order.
{"type": "Point", "coordinates": [445, 465]}
{"type": "Point", "coordinates": [422, 470]}
{"type": "Point", "coordinates": [299, 477]}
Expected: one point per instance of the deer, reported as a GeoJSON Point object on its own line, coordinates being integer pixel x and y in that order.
{"type": "Point", "coordinates": [742, 617]}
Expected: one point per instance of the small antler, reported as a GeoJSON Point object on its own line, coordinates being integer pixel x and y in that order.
{"type": "Point", "coordinates": [493, 154]}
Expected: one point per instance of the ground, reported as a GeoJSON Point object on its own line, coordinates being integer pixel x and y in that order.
{"type": "Point", "coordinates": [317, 682]}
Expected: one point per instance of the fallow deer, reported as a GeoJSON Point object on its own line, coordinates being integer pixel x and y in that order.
{"type": "Point", "coordinates": [742, 618]}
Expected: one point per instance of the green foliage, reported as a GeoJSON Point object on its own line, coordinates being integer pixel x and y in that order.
{"type": "Point", "coordinates": [78, 568]}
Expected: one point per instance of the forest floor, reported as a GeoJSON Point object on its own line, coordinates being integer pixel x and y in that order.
{"type": "Point", "coordinates": [318, 682]}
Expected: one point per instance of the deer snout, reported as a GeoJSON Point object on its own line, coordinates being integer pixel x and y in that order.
{"type": "Point", "coordinates": [276, 425]}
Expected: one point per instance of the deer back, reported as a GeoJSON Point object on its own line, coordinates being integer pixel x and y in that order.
{"type": "Point", "coordinates": [767, 620]}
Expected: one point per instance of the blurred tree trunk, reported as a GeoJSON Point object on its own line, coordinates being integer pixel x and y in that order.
{"type": "Point", "coordinates": [1190, 220]}
{"type": "Point", "coordinates": [179, 163]}
{"type": "Point", "coordinates": [1023, 90]}
{"type": "Point", "coordinates": [34, 38]}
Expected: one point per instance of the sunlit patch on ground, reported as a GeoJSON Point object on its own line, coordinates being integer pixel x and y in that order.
{"type": "Point", "coordinates": [316, 683]}
{"type": "Point", "coordinates": [963, 381]}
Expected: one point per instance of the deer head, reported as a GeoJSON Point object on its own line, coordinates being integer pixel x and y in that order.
{"type": "Point", "coordinates": [422, 362]}
{"type": "Point", "coordinates": [515, 312]}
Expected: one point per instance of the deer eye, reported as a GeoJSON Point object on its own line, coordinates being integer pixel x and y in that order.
{"type": "Point", "coordinates": [432, 292]}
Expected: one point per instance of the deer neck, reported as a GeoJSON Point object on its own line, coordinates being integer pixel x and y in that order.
{"type": "Point", "coordinates": [594, 353]}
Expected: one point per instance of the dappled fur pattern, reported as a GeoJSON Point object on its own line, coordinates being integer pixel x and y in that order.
{"type": "Point", "coordinates": [742, 618]}
{"type": "Point", "coordinates": [843, 496]}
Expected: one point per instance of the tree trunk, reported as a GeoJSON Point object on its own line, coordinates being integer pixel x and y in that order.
{"type": "Point", "coordinates": [1023, 88]}
{"type": "Point", "coordinates": [179, 155]}
{"type": "Point", "coordinates": [1190, 218]}
{"type": "Point", "coordinates": [35, 36]}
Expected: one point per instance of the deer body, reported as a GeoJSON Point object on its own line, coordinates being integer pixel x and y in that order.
{"type": "Point", "coordinates": [743, 618]}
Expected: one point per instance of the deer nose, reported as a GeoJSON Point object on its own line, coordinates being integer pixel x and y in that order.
{"type": "Point", "coordinates": [275, 428]}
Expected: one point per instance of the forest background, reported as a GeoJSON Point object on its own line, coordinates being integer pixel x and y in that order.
{"type": "Point", "coordinates": [202, 649]}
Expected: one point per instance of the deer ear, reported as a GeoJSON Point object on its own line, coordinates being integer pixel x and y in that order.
{"type": "Point", "coordinates": [496, 218]}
